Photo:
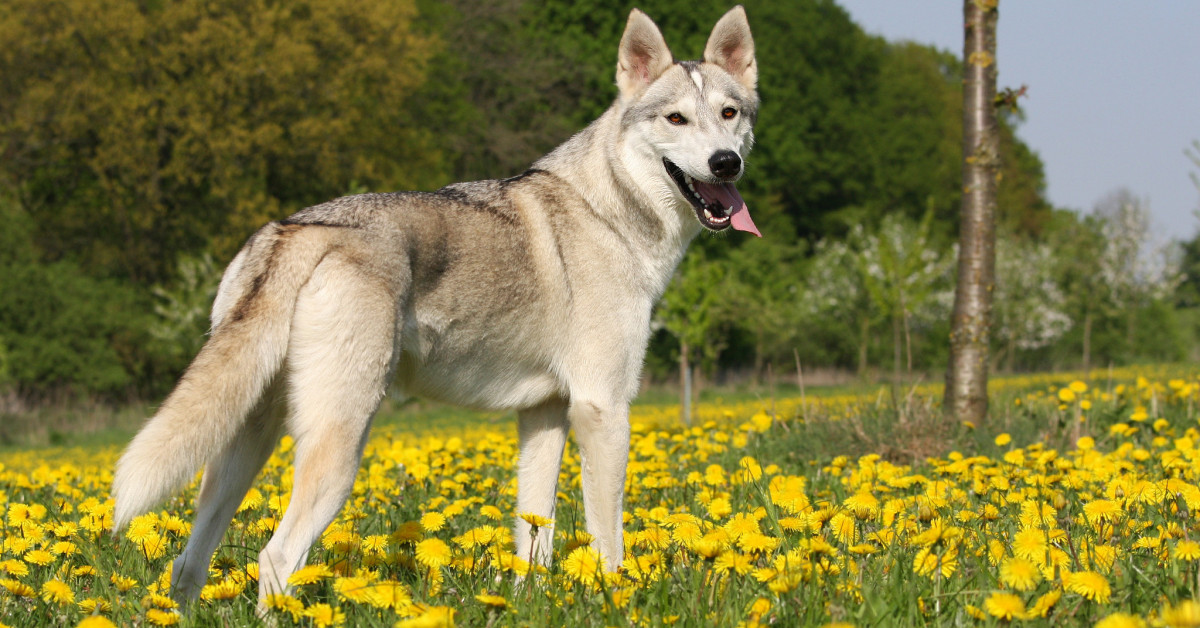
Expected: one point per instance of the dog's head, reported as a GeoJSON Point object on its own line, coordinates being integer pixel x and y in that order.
{"type": "Point", "coordinates": [695, 117]}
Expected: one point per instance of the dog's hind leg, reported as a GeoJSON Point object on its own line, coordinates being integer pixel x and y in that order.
{"type": "Point", "coordinates": [226, 480]}
{"type": "Point", "coordinates": [543, 433]}
{"type": "Point", "coordinates": [339, 361]}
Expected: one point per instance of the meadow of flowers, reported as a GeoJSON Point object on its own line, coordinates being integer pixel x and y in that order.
{"type": "Point", "coordinates": [1077, 504]}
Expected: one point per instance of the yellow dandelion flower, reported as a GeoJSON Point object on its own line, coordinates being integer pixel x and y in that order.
{"type": "Point", "coordinates": [94, 605]}
{"type": "Point", "coordinates": [286, 603]}
{"type": "Point", "coordinates": [323, 615]}
{"type": "Point", "coordinates": [1078, 387]}
{"type": "Point", "coordinates": [14, 567]}
{"type": "Point", "coordinates": [477, 537]}
{"type": "Point", "coordinates": [652, 537]}
{"type": "Point", "coordinates": [433, 553]}
{"type": "Point", "coordinates": [1121, 620]}
{"type": "Point", "coordinates": [686, 533]}
{"type": "Point", "coordinates": [408, 532]}
{"type": "Point", "coordinates": [252, 501]}
{"type": "Point", "coordinates": [123, 583]}
{"type": "Point", "coordinates": [584, 564]}
{"type": "Point", "coordinates": [845, 527]}
{"type": "Point", "coordinates": [719, 508]}
{"type": "Point", "coordinates": [96, 621]}
{"type": "Point", "coordinates": [491, 512]}
{"type": "Point", "coordinates": [142, 527]}
{"type": "Point", "coordinates": [57, 592]}
{"type": "Point", "coordinates": [1042, 606]}
{"type": "Point", "coordinates": [1030, 543]}
{"type": "Point", "coordinates": [929, 563]}
{"type": "Point", "coordinates": [793, 524]}
{"type": "Point", "coordinates": [1066, 395]}
{"type": "Point", "coordinates": [356, 589]}
{"type": "Point", "coordinates": [1102, 510]}
{"type": "Point", "coordinates": [64, 548]}
{"type": "Point", "coordinates": [433, 521]}
{"type": "Point", "coordinates": [224, 590]}
{"type": "Point", "coordinates": [492, 601]}
{"type": "Point", "coordinates": [1089, 584]}
{"type": "Point", "coordinates": [159, 601]}
{"type": "Point", "coordinates": [374, 544]}
{"type": "Point", "coordinates": [39, 557]}
{"type": "Point", "coordinates": [1186, 550]}
{"type": "Point", "coordinates": [430, 617]}
{"type": "Point", "coordinates": [83, 569]}
{"type": "Point", "coordinates": [1004, 606]}
{"type": "Point", "coordinates": [309, 574]}
{"type": "Point", "coordinates": [340, 537]}
{"type": "Point", "coordinates": [18, 588]}
{"type": "Point", "coordinates": [741, 524]}
{"type": "Point", "coordinates": [864, 505]}
{"type": "Point", "coordinates": [536, 520]}
{"type": "Point", "coordinates": [159, 617]}
{"type": "Point", "coordinates": [757, 542]}
{"type": "Point", "coordinates": [1003, 439]}
{"type": "Point", "coordinates": [1020, 574]}
{"type": "Point", "coordinates": [154, 546]}
{"type": "Point", "coordinates": [1185, 615]}
{"type": "Point", "coordinates": [736, 562]}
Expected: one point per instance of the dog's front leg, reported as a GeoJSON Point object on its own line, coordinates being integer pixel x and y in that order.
{"type": "Point", "coordinates": [543, 433]}
{"type": "Point", "coordinates": [602, 432]}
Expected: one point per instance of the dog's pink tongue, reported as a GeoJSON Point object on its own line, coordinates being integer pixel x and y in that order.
{"type": "Point", "coordinates": [732, 201]}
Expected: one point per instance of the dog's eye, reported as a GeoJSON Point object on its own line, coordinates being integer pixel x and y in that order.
{"type": "Point", "coordinates": [676, 118]}
{"type": "Point", "coordinates": [729, 113]}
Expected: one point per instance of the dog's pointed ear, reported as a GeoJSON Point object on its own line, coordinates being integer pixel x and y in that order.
{"type": "Point", "coordinates": [731, 47]}
{"type": "Point", "coordinates": [643, 55]}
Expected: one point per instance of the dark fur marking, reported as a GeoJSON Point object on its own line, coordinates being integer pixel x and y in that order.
{"type": "Point", "coordinates": [562, 260]}
{"type": "Point", "coordinates": [242, 310]}
{"type": "Point", "coordinates": [462, 198]}
{"type": "Point", "coordinates": [528, 173]}
{"type": "Point", "coordinates": [288, 222]}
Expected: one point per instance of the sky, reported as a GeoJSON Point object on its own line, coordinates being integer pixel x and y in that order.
{"type": "Point", "coordinates": [1113, 91]}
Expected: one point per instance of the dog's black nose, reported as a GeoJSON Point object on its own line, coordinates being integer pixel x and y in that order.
{"type": "Point", "coordinates": [725, 164]}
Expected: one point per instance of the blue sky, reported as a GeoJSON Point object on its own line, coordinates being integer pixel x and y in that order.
{"type": "Point", "coordinates": [1114, 90]}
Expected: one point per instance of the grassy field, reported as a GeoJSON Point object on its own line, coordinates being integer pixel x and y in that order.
{"type": "Point", "coordinates": [1075, 505]}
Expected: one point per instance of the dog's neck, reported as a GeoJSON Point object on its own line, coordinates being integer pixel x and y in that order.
{"type": "Point", "coordinates": [662, 226]}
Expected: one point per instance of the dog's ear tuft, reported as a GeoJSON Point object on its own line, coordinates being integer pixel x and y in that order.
{"type": "Point", "coordinates": [643, 55]}
{"type": "Point", "coordinates": [731, 47]}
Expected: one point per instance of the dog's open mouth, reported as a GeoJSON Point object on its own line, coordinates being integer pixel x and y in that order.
{"type": "Point", "coordinates": [718, 206]}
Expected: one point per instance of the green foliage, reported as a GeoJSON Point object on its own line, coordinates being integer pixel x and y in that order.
{"type": "Point", "coordinates": [182, 309]}
{"type": "Point", "coordinates": [62, 329]}
{"type": "Point", "coordinates": [134, 131]}
{"type": "Point", "coordinates": [143, 142]}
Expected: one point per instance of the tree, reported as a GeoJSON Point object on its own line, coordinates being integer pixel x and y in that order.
{"type": "Point", "coordinates": [1133, 270]}
{"type": "Point", "coordinates": [901, 271]}
{"type": "Point", "coordinates": [834, 292]}
{"type": "Point", "coordinates": [966, 376]}
{"type": "Point", "coordinates": [137, 131]}
{"type": "Point", "coordinates": [691, 310]}
{"type": "Point", "coordinates": [764, 289]}
{"type": "Point", "coordinates": [1030, 305]}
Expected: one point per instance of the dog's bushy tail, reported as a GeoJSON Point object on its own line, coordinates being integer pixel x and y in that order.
{"type": "Point", "coordinates": [251, 326]}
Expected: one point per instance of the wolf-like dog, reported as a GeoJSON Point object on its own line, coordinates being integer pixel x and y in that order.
{"type": "Point", "coordinates": [532, 293]}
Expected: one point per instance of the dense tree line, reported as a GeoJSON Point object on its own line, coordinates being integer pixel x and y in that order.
{"type": "Point", "coordinates": [141, 142]}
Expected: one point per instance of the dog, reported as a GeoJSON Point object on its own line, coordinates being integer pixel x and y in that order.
{"type": "Point", "coordinates": [532, 293]}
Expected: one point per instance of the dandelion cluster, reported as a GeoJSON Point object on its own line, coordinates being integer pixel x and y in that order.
{"type": "Point", "coordinates": [1095, 521]}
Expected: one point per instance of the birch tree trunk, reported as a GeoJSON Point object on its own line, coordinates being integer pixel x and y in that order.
{"type": "Point", "coordinates": [967, 374]}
